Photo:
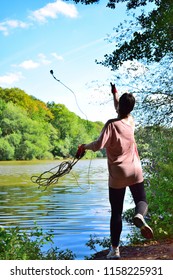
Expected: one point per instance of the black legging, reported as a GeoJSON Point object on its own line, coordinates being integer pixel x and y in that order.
{"type": "Point", "coordinates": [116, 198]}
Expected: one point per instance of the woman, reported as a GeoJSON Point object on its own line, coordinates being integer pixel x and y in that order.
{"type": "Point", "coordinates": [124, 167]}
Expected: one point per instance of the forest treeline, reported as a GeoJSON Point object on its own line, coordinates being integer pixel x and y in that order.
{"type": "Point", "coordinates": [31, 129]}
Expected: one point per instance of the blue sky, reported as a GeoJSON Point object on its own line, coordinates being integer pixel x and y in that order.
{"type": "Point", "coordinates": [37, 36]}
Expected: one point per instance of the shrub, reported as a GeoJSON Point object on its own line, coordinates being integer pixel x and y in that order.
{"type": "Point", "coordinates": [159, 187]}
{"type": "Point", "coordinates": [22, 245]}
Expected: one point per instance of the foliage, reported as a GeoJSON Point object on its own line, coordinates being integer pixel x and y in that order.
{"type": "Point", "coordinates": [6, 151]}
{"type": "Point", "coordinates": [35, 108]}
{"type": "Point", "coordinates": [160, 189]}
{"type": "Point", "coordinates": [31, 129]}
{"type": "Point", "coordinates": [149, 37]}
{"type": "Point", "coordinates": [94, 240]}
{"type": "Point", "coordinates": [22, 137]}
{"type": "Point", "coordinates": [21, 245]}
{"type": "Point", "coordinates": [157, 157]}
{"type": "Point", "coordinates": [95, 243]}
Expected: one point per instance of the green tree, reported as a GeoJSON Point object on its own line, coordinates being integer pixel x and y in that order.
{"type": "Point", "coordinates": [71, 130]}
{"type": "Point", "coordinates": [157, 158]}
{"type": "Point", "coordinates": [27, 138]}
{"type": "Point", "coordinates": [6, 150]}
{"type": "Point", "coordinates": [64, 120]}
{"type": "Point", "coordinates": [35, 108]}
{"type": "Point", "coordinates": [158, 165]}
{"type": "Point", "coordinates": [151, 35]}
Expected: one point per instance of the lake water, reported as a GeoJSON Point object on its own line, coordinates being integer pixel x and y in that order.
{"type": "Point", "coordinates": [74, 209]}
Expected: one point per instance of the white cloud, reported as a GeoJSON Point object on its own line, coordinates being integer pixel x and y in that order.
{"type": "Point", "coordinates": [8, 25]}
{"type": "Point", "coordinates": [58, 57]}
{"type": "Point", "coordinates": [4, 29]}
{"type": "Point", "coordinates": [43, 59]}
{"type": "Point", "coordinates": [51, 10]}
{"type": "Point", "coordinates": [11, 78]}
{"type": "Point", "coordinates": [29, 64]}
{"type": "Point", "coordinates": [16, 23]}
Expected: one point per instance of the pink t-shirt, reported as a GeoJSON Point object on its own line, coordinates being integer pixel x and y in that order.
{"type": "Point", "coordinates": [123, 160]}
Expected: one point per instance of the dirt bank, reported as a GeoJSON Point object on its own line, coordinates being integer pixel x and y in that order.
{"type": "Point", "coordinates": [156, 250]}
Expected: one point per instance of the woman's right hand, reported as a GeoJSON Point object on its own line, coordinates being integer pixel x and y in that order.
{"type": "Point", "coordinates": [113, 88]}
{"type": "Point", "coordinates": [81, 151]}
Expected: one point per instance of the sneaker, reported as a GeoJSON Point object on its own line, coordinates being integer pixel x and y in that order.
{"type": "Point", "coordinates": [139, 222]}
{"type": "Point", "coordinates": [114, 254]}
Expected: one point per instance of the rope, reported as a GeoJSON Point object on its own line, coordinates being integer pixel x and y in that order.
{"type": "Point", "coordinates": [51, 72]}
{"type": "Point", "coordinates": [52, 176]}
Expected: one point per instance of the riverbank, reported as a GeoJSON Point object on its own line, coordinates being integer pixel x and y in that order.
{"type": "Point", "coordinates": [155, 250]}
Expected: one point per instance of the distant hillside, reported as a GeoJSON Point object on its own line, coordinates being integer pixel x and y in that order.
{"type": "Point", "coordinates": [34, 107]}
{"type": "Point", "coordinates": [31, 129]}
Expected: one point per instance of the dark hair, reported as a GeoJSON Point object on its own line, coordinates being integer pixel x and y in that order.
{"type": "Point", "coordinates": [126, 104]}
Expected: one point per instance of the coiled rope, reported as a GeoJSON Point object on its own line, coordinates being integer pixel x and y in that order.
{"type": "Point", "coordinates": [51, 176]}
